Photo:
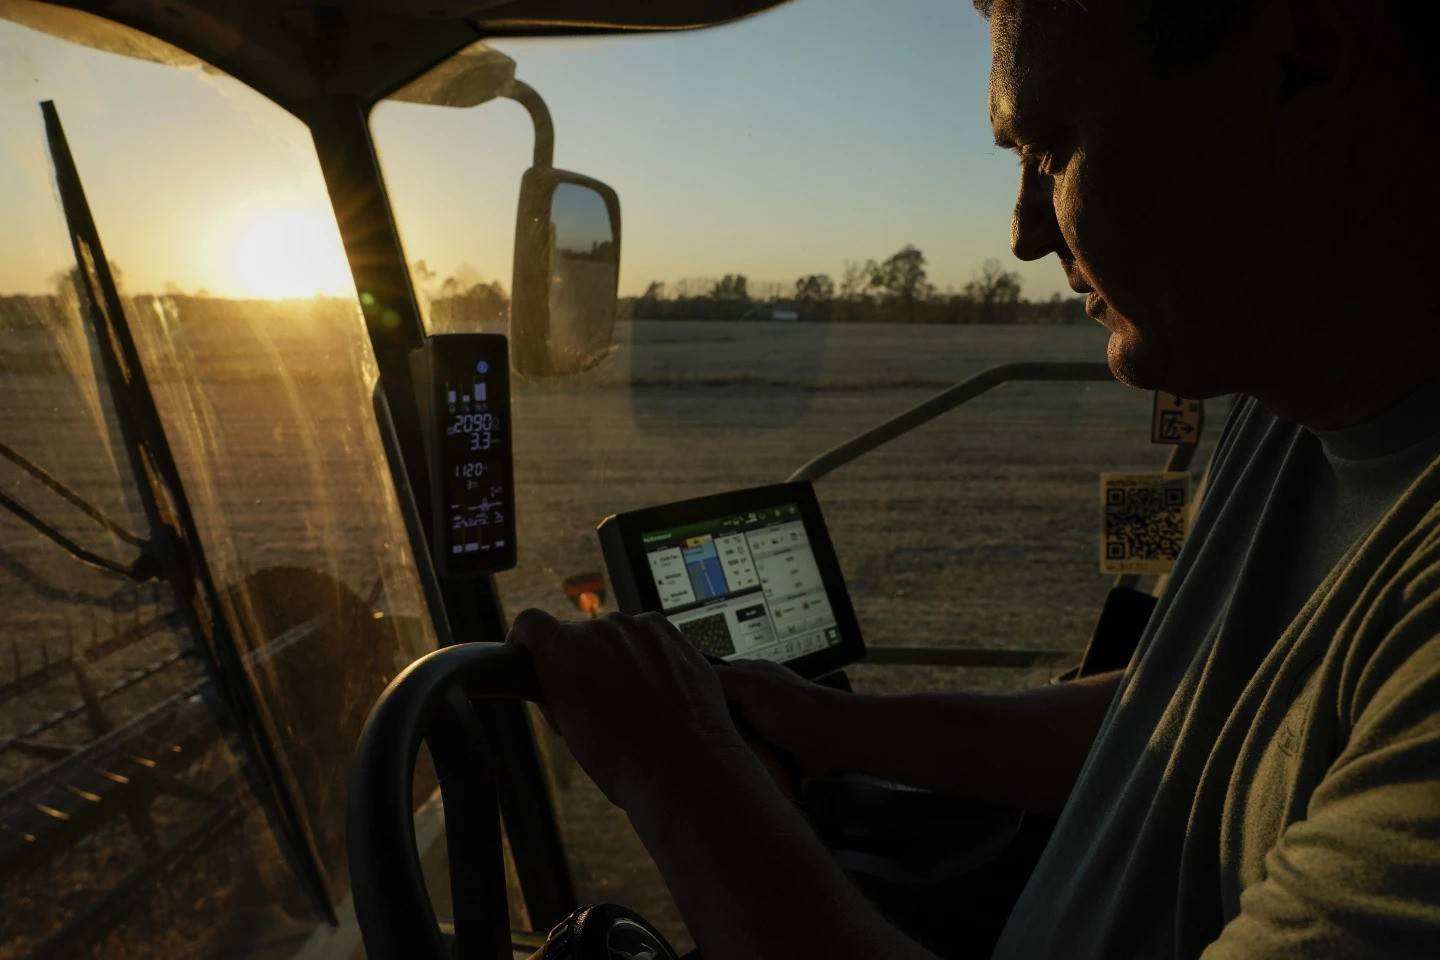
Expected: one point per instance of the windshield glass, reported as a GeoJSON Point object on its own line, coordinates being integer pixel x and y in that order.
{"type": "Point", "coordinates": [815, 240]}
{"type": "Point", "coordinates": [152, 804]}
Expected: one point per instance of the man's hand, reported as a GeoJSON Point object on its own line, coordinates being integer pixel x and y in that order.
{"type": "Point", "coordinates": [789, 712]}
{"type": "Point", "coordinates": [635, 702]}
{"type": "Point", "coordinates": [646, 717]}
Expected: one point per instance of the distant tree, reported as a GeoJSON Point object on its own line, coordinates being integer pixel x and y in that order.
{"type": "Point", "coordinates": [694, 287]}
{"type": "Point", "coordinates": [71, 281]}
{"type": "Point", "coordinates": [647, 305]}
{"type": "Point", "coordinates": [769, 291]}
{"type": "Point", "coordinates": [491, 301]}
{"type": "Point", "coordinates": [996, 292]}
{"type": "Point", "coordinates": [465, 303]}
{"type": "Point", "coordinates": [958, 308]}
{"type": "Point", "coordinates": [814, 297]}
{"type": "Point", "coordinates": [730, 287]}
{"type": "Point", "coordinates": [467, 276]}
{"type": "Point", "coordinates": [815, 288]}
{"type": "Point", "coordinates": [903, 277]}
{"type": "Point", "coordinates": [1054, 309]}
{"type": "Point", "coordinates": [855, 281]}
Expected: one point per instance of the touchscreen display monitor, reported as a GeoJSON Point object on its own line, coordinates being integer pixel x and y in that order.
{"type": "Point", "coordinates": [745, 586]}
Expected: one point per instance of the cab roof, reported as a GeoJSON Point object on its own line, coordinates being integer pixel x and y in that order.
{"type": "Point", "coordinates": [295, 51]}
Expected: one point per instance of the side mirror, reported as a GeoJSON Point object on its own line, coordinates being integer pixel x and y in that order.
{"type": "Point", "coordinates": [567, 272]}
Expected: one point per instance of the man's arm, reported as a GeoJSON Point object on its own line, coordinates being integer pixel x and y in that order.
{"type": "Point", "coordinates": [645, 716]}
{"type": "Point", "coordinates": [748, 873]}
{"type": "Point", "coordinates": [1022, 749]}
{"type": "Point", "coordinates": [1359, 877]}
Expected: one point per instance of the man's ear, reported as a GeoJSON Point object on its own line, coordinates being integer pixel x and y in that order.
{"type": "Point", "coordinates": [1326, 56]}
{"type": "Point", "coordinates": [1318, 53]}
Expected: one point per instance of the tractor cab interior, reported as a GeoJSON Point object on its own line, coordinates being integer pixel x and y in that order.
{"type": "Point", "coordinates": [325, 353]}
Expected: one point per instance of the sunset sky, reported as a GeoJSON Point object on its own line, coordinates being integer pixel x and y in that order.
{"type": "Point", "coordinates": [825, 131]}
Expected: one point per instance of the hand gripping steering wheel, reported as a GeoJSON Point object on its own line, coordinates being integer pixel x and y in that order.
{"type": "Point", "coordinates": [431, 701]}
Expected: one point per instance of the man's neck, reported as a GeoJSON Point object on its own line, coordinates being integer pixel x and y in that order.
{"type": "Point", "coordinates": [1351, 390]}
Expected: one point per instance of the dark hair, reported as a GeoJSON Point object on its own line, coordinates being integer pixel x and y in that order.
{"type": "Point", "coordinates": [1186, 32]}
{"type": "Point", "coordinates": [1182, 32]}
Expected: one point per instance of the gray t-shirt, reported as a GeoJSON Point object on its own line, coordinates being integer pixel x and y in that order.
{"type": "Point", "coordinates": [1249, 700]}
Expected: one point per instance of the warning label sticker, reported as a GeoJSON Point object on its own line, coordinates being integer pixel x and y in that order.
{"type": "Point", "coordinates": [1143, 521]}
{"type": "Point", "coordinates": [1176, 420]}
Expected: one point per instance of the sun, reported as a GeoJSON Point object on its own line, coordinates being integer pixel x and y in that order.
{"type": "Point", "coordinates": [291, 254]}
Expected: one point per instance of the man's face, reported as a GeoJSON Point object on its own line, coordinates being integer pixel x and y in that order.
{"type": "Point", "coordinates": [1154, 193]}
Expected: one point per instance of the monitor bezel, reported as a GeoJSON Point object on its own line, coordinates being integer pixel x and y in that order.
{"type": "Point", "coordinates": [633, 526]}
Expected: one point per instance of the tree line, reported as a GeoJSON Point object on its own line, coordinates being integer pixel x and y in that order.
{"type": "Point", "coordinates": [895, 290]}
{"type": "Point", "coordinates": [461, 301]}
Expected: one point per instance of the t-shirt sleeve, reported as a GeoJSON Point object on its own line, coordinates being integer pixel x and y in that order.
{"type": "Point", "coordinates": [1360, 875]}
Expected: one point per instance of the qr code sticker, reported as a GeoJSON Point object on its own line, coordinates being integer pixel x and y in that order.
{"type": "Point", "coordinates": [1143, 521]}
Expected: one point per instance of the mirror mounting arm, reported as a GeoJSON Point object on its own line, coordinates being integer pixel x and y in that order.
{"type": "Point", "coordinates": [529, 98]}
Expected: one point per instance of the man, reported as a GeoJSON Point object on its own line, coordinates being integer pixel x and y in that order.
{"type": "Point", "coordinates": [1244, 190]}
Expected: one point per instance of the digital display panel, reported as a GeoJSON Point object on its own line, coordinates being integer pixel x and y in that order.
{"type": "Point", "coordinates": [472, 464]}
{"type": "Point", "coordinates": [745, 586]}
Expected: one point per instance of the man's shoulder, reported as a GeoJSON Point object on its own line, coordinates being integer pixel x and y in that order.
{"type": "Point", "coordinates": [1391, 587]}
{"type": "Point", "coordinates": [1405, 543]}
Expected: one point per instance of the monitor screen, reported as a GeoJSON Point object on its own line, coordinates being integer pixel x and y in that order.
{"type": "Point", "coordinates": [745, 586]}
{"type": "Point", "coordinates": [477, 482]}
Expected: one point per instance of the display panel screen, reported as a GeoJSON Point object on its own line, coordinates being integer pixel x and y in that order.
{"type": "Point", "coordinates": [466, 386]}
{"type": "Point", "coordinates": [478, 484]}
{"type": "Point", "coordinates": [745, 586]}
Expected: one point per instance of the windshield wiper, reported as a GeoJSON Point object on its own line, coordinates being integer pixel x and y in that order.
{"type": "Point", "coordinates": [175, 534]}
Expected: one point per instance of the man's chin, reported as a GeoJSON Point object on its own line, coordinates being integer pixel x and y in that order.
{"type": "Point", "coordinates": [1127, 361]}
{"type": "Point", "coordinates": [1147, 366]}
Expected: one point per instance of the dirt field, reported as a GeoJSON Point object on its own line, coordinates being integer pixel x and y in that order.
{"type": "Point", "coordinates": [978, 530]}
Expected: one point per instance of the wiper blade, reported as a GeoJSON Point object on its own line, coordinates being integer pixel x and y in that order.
{"type": "Point", "coordinates": [175, 534]}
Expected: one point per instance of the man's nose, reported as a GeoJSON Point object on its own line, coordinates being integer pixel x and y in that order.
{"type": "Point", "coordinates": [1034, 231]}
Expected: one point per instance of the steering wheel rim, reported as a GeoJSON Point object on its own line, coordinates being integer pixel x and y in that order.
{"type": "Point", "coordinates": [430, 701]}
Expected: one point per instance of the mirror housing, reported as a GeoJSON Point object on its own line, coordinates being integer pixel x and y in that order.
{"type": "Point", "coordinates": [475, 75]}
{"type": "Point", "coordinates": [567, 273]}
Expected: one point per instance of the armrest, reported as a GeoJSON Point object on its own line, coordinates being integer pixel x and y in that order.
{"type": "Point", "coordinates": [903, 835]}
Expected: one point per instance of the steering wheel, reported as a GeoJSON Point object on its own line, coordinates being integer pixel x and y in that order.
{"type": "Point", "coordinates": [430, 701]}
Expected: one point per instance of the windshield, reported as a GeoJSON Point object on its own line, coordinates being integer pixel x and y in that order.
{"type": "Point", "coordinates": [815, 240]}
{"type": "Point", "coordinates": [152, 804]}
